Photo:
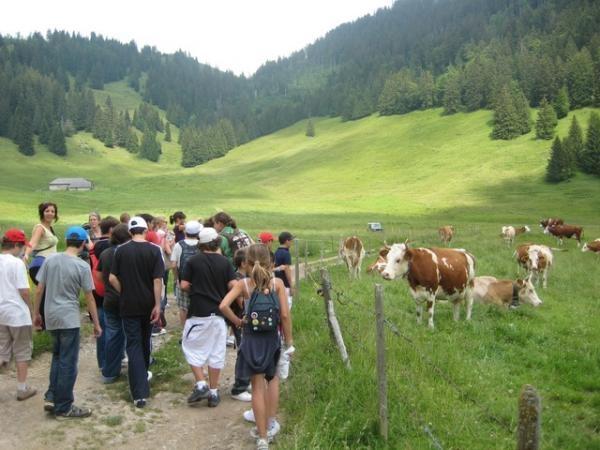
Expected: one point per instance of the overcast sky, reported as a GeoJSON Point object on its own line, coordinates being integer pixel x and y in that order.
{"type": "Point", "coordinates": [236, 35]}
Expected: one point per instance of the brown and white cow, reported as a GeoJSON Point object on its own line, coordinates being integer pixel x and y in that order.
{"type": "Point", "coordinates": [492, 291]}
{"type": "Point", "coordinates": [536, 260]}
{"type": "Point", "coordinates": [446, 233]}
{"type": "Point", "coordinates": [509, 232]}
{"type": "Point", "coordinates": [564, 231]}
{"type": "Point", "coordinates": [544, 223]}
{"type": "Point", "coordinates": [379, 264]}
{"type": "Point", "coordinates": [433, 273]}
{"type": "Point", "coordinates": [593, 247]}
{"type": "Point", "coordinates": [352, 253]}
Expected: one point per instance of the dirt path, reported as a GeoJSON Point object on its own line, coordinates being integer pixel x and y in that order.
{"type": "Point", "coordinates": [166, 423]}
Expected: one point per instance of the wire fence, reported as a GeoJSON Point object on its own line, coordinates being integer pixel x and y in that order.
{"type": "Point", "coordinates": [324, 287]}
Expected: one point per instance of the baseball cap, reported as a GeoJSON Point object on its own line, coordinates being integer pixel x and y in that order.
{"type": "Point", "coordinates": [76, 233]}
{"type": "Point", "coordinates": [265, 237]}
{"type": "Point", "coordinates": [137, 222]}
{"type": "Point", "coordinates": [15, 235]}
{"type": "Point", "coordinates": [207, 234]}
{"type": "Point", "coordinates": [193, 227]}
{"type": "Point", "coordinates": [285, 236]}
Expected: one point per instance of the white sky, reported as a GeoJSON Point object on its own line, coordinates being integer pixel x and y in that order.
{"type": "Point", "coordinates": [236, 35]}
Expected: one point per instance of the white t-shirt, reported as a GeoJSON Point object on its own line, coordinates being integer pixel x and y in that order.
{"type": "Point", "coordinates": [176, 253]}
{"type": "Point", "coordinates": [14, 312]}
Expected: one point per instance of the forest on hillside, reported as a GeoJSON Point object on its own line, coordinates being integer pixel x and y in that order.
{"type": "Point", "coordinates": [458, 54]}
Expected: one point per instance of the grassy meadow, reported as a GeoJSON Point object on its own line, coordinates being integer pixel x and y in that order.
{"type": "Point", "coordinates": [413, 173]}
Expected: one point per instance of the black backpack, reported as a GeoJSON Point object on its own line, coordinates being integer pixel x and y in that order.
{"type": "Point", "coordinates": [262, 312]}
{"type": "Point", "coordinates": [187, 251]}
{"type": "Point", "coordinates": [238, 239]}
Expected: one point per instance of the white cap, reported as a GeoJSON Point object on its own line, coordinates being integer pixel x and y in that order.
{"type": "Point", "coordinates": [137, 222]}
{"type": "Point", "coordinates": [193, 227]}
{"type": "Point", "coordinates": [207, 234]}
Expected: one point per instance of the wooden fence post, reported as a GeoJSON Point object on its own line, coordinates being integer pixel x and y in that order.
{"type": "Point", "coordinates": [530, 414]}
{"type": "Point", "coordinates": [297, 269]}
{"type": "Point", "coordinates": [381, 372]}
{"type": "Point", "coordinates": [305, 259]}
{"type": "Point", "coordinates": [334, 326]}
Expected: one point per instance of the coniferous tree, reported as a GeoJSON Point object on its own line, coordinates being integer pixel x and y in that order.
{"type": "Point", "coordinates": [546, 121]}
{"type": "Point", "coordinates": [44, 133]}
{"type": "Point", "coordinates": [167, 132]}
{"type": "Point", "coordinates": [522, 110]}
{"type": "Point", "coordinates": [561, 103]}
{"type": "Point", "coordinates": [506, 121]}
{"type": "Point", "coordinates": [574, 143]}
{"type": "Point", "coordinates": [580, 79]}
{"type": "Point", "coordinates": [310, 128]}
{"type": "Point", "coordinates": [56, 143]}
{"type": "Point", "coordinates": [452, 95]}
{"type": "Point", "coordinates": [558, 168]}
{"type": "Point", "coordinates": [22, 132]}
{"type": "Point", "coordinates": [590, 158]}
{"type": "Point", "coordinates": [133, 144]}
{"type": "Point", "coordinates": [150, 148]}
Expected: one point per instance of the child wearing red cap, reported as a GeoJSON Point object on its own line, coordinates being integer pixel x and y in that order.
{"type": "Point", "coordinates": [15, 310]}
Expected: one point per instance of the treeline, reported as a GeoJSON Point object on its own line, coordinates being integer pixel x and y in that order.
{"type": "Point", "coordinates": [574, 153]}
{"type": "Point", "coordinates": [201, 145]}
{"type": "Point", "coordinates": [461, 55]}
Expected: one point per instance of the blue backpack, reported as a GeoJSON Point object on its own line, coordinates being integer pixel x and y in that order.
{"type": "Point", "coordinates": [262, 312]}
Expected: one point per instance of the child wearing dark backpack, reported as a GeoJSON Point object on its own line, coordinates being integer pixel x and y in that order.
{"type": "Point", "coordinates": [266, 313]}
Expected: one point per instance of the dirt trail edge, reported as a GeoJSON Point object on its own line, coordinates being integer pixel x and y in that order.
{"type": "Point", "coordinates": [166, 423]}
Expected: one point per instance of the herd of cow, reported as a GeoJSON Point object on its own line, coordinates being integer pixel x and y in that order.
{"type": "Point", "coordinates": [449, 273]}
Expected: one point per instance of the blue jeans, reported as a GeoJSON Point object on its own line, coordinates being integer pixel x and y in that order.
{"type": "Point", "coordinates": [63, 369]}
{"type": "Point", "coordinates": [100, 342]}
{"type": "Point", "coordinates": [138, 331]}
{"type": "Point", "coordinates": [114, 344]}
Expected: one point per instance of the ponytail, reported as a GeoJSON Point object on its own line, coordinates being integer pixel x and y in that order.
{"type": "Point", "coordinates": [259, 257]}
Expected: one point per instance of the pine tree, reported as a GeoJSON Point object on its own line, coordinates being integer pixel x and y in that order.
{"type": "Point", "coordinates": [580, 79]}
{"type": "Point", "coordinates": [590, 159]}
{"type": "Point", "coordinates": [546, 121]}
{"type": "Point", "coordinates": [558, 165]}
{"type": "Point", "coordinates": [574, 143]}
{"type": "Point", "coordinates": [133, 144]}
{"type": "Point", "coordinates": [22, 132]}
{"type": "Point", "coordinates": [452, 96]}
{"type": "Point", "coordinates": [150, 148]}
{"type": "Point", "coordinates": [506, 122]}
{"type": "Point", "coordinates": [168, 132]}
{"type": "Point", "coordinates": [56, 143]}
{"type": "Point", "coordinates": [310, 128]}
{"type": "Point", "coordinates": [522, 110]}
{"type": "Point", "coordinates": [561, 103]}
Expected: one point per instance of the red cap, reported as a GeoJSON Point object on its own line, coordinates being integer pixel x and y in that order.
{"type": "Point", "coordinates": [265, 237]}
{"type": "Point", "coordinates": [15, 235]}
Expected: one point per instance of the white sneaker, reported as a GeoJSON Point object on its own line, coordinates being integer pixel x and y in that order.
{"type": "Point", "coordinates": [249, 416]}
{"type": "Point", "coordinates": [149, 375]}
{"type": "Point", "coordinates": [243, 397]}
{"type": "Point", "coordinates": [262, 444]}
{"type": "Point", "coordinates": [274, 428]}
{"type": "Point", "coordinates": [230, 341]}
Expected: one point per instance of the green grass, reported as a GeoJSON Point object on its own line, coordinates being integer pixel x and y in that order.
{"type": "Point", "coordinates": [413, 173]}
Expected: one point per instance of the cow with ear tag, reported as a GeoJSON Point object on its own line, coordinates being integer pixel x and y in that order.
{"type": "Point", "coordinates": [432, 274]}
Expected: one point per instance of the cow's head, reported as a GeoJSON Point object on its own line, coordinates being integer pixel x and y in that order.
{"type": "Point", "coordinates": [527, 229]}
{"type": "Point", "coordinates": [533, 259]}
{"type": "Point", "coordinates": [527, 292]}
{"type": "Point", "coordinates": [544, 223]}
{"type": "Point", "coordinates": [397, 262]}
{"type": "Point", "coordinates": [547, 229]}
{"type": "Point", "coordinates": [585, 247]}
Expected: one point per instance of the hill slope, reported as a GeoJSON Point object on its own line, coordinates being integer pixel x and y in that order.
{"type": "Point", "coordinates": [417, 164]}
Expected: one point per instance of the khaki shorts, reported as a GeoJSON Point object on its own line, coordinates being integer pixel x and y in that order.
{"type": "Point", "coordinates": [183, 299]}
{"type": "Point", "coordinates": [17, 341]}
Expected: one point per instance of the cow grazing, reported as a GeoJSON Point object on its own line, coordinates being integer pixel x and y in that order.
{"type": "Point", "coordinates": [593, 246]}
{"type": "Point", "coordinates": [536, 260]}
{"type": "Point", "coordinates": [564, 231]}
{"type": "Point", "coordinates": [544, 223]}
{"type": "Point", "coordinates": [446, 233]}
{"type": "Point", "coordinates": [379, 264]}
{"type": "Point", "coordinates": [492, 291]}
{"type": "Point", "coordinates": [352, 253]}
{"type": "Point", "coordinates": [509, 232]}
{"type": "Point", "coordinates": [433, 273]}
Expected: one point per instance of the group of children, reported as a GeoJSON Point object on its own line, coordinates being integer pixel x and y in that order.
{"type": "Point", "coordinates": [222, 280]}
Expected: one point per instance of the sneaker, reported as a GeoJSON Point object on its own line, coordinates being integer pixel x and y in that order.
{"type": "Point", "coordinates": [198, 394]}
{"type": "Point", "coordinates": [48, 405]}
{"type": "Point", "coordinates": [139, 403]}
{"type": "Point", "coordinates": [230, 341]}
{"type": "Point", "coordinates": [125, 362]}
{"type": "Point", "coordinates": [249, 416]}
{"type": "Point", "coordinates": [109, 380]}
{"type": "Point", "coordinates": [262, 444]}
{"type": "Point", "coordinates": [213, 400]}
{"type": "Point", "coordinates": [274, 428]}
{"type": "Point", "coordinates": [254, 434]}
{"type": "Point", "coordinates": [25, 394]}
{"type": "Point", "coordinates": [75, 412]}
{"type": "Point", "coordinates": [149, 375]}
{"type": "Point", "coordinates": [159, 332]}
{"type": "Point", "coordinates": [242, 397]}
